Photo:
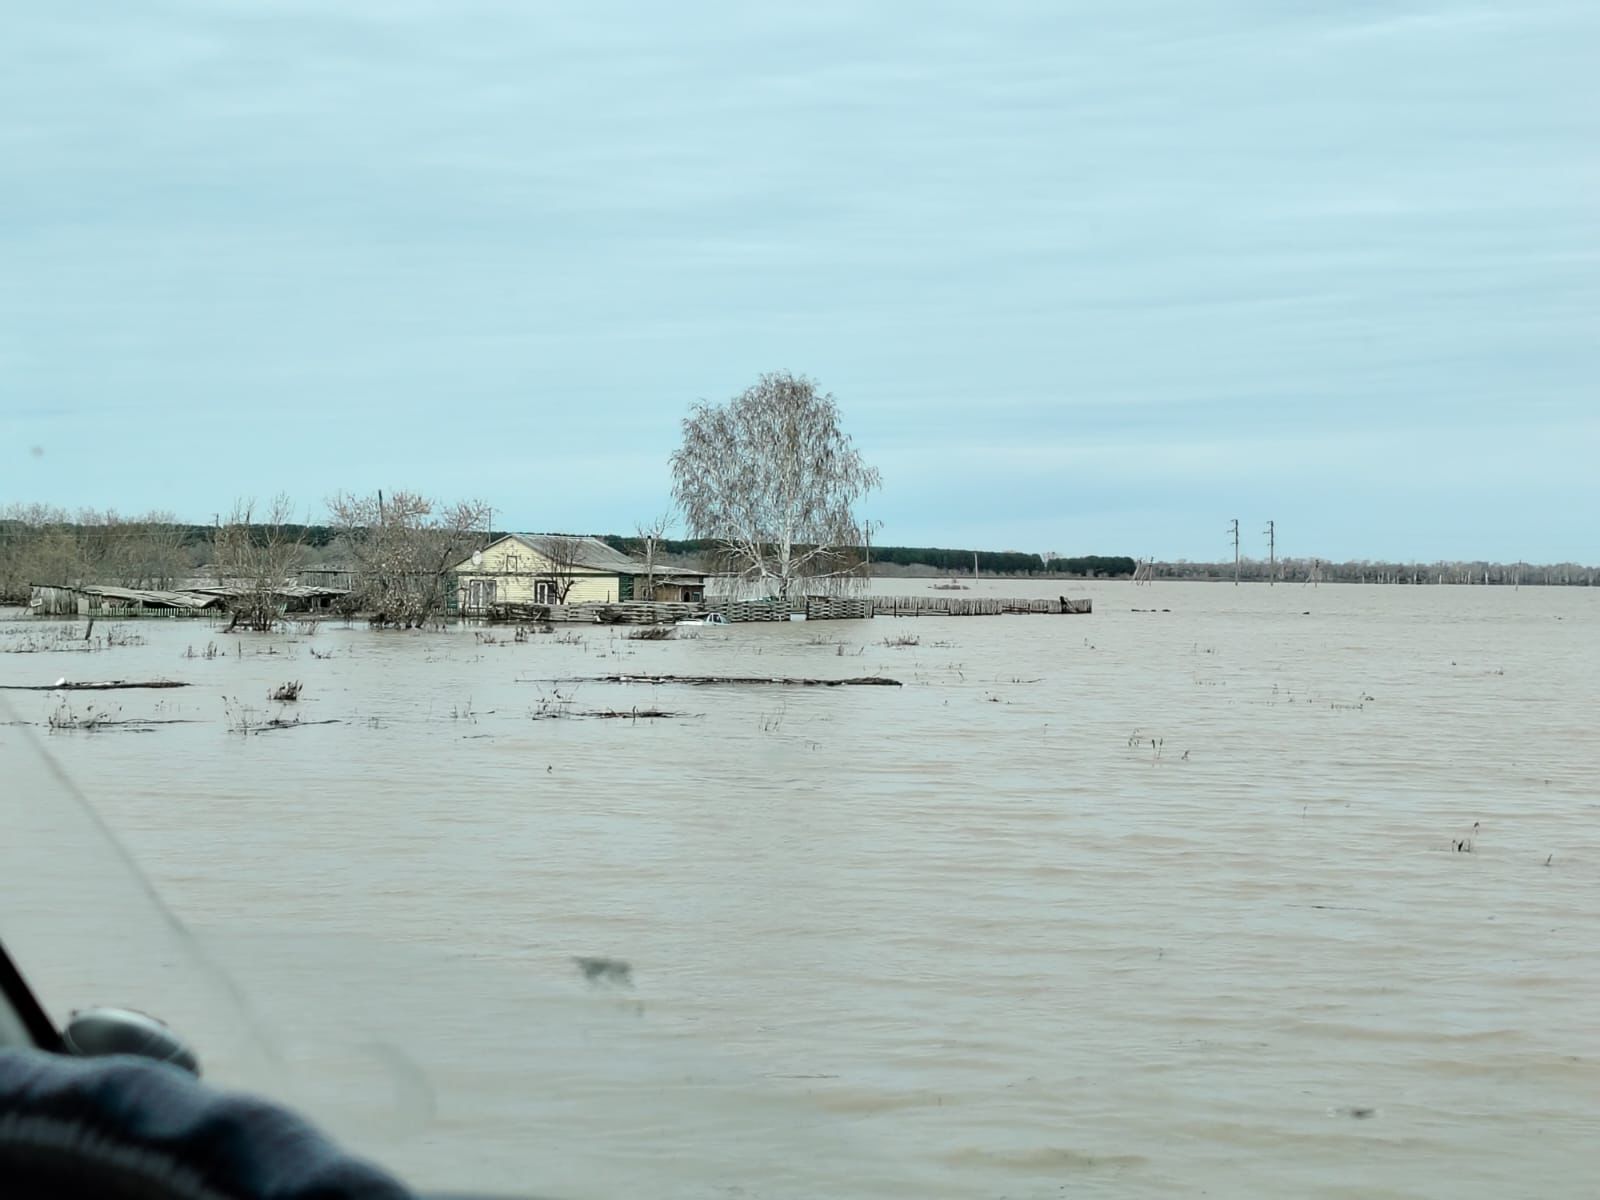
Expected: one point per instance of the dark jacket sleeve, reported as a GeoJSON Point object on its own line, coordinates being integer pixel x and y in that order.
{"type": "Point", "coordinates": [122, 1127]}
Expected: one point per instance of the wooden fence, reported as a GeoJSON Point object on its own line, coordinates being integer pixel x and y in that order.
{"type": "Point", "coordinates": [813, 608]}
{"type": "Point", "coordinates": [643, 612]}
{"type": "Point", "coordinates": [974, 606]}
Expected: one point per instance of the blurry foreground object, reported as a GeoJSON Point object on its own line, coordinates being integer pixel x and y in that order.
{"type": "Point", "coordinates": [128, 1128]}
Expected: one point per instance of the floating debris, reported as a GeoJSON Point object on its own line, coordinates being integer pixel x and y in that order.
{"type": "Point", "coordinates": [732, 680]}
{"type": "Point", "coordinates": [605, 970]}
{"type": "Point", "coordinates": [106, 686]}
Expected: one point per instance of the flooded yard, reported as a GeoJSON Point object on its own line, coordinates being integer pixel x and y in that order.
{"type": "Point", "coordinates": [1248, 891]}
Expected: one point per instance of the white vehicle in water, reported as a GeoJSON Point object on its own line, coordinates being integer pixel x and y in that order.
{"type": "Point", "coordinates": [712, 618]}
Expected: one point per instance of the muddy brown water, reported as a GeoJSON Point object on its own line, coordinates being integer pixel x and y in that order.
{"type": "Point", "coordinates": [1135, 904]}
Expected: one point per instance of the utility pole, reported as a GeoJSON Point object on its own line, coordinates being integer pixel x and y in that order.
{"type": "Point", "coordinates": [1272, 553]}
{"type": "Point", "coordinates": [1234, 529]}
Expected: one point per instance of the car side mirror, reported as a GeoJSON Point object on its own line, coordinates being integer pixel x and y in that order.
{"type": "Point", "coordinates": [93, 1032]}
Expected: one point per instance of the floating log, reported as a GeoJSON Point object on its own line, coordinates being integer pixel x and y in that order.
{"type": "Point", "coordinates": [277, 723]}
{"type": "Point", "coordinates": [619, 714]}
{"type": "Point", "coordinates": [734, 680]}
{"type": "Point", "coordinates": [110, 685]}
{"type": "Point", "coordinates": [93, 722]}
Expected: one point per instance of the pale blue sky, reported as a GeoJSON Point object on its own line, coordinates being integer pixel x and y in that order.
{"type": "Point", "coordinates": [1085, 277]}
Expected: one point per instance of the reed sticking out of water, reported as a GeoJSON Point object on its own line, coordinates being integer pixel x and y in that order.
{"type": "Point", "coordinates": [650, 633]}
{"type": "Point", "coordinates": [550, 707]}
{"type": "Point", "coordinates": [241, 718]}
{"type": "Point", "coordinates": [64, 718]}
{"type": "Point", "coordinates": [65, 638]}
{"type": "Point", "coordinates": [286, 692]}
{"type": "Point", "coordinates": [1137, 740]}
{"type": "Point", "coordinates": [903, 639]}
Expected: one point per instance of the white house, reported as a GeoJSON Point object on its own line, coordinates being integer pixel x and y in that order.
{"type": "Point", "coordinates": [549, 568]}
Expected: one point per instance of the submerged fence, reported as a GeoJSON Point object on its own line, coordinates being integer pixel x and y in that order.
{"type": "Point", "coordinates": [810, 608]}
{"type": "Point", "coordinates": [973, 606]}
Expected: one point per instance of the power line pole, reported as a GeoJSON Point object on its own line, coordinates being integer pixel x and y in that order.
{"type": "Point", "coordinates": [1235, 531]}
{"type": "Point", "coordinates": [1272, 552]}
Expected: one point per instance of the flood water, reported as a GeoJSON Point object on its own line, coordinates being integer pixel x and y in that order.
{"type": "Point", "coordinates": [1271, 892]}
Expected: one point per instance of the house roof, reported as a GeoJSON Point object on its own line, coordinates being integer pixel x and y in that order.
{"type": "Point", "coordinates": [584, 551]}
{"type": "Point", "coordinates": [587, 553]}
{"type": "Point", "coordinates": [150, 597]}
{"type": "Point", "coordinates": [291, 591]}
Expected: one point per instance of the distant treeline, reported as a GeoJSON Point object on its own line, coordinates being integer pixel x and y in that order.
{"type": "Point", "coordinates": [1316, 570]}
{"type": "Point", "coordinates": [151, 550]}
{"type": "Point", "coordinates": [39, 544]}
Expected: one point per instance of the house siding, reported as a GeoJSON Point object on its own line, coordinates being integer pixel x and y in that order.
{"type": "Point", "coordinates": [593, 589]}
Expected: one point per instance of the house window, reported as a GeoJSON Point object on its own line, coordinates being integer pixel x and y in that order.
{"type": "Point", "coordinates": [513, 563]}
{"type": "Point", "coordinates": [480, 595]}
{"type": "Point", "coordinates": [544, 592]}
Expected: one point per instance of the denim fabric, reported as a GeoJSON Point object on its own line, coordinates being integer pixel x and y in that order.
{"type": "Point", "coordinates": [135, 1129]}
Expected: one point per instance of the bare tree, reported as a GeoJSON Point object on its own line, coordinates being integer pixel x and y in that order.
{"type": "Point", "coordinates": [164, 552]}
{"type": "Point", "coordinates": [651, 534]}
{"type": "Point", "coordinates": [772, 477]}
{"type": "Point", "coordinates": [402, 550]}
{"type": "Point", "coordinates": [258, 558]}
{"type": "Point", "coordinates": [39, 544]}
{"type": "Point", "coordinates": [149, 551]}
{"type": "Point", "coordinates": [564, 553]}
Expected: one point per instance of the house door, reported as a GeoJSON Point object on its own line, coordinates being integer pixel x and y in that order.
{"type": "Point", "coordinates": [480, 595]}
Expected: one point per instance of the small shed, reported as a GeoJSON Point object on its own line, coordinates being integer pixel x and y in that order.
{"type": "Point", "coordinates": [291, 597]}
{"type": "Point", "coordinates": [105, 600]}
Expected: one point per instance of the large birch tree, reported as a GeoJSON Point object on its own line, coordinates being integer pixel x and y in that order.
{"type": "Point", "coordinates": [771, 477]}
